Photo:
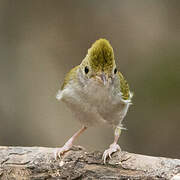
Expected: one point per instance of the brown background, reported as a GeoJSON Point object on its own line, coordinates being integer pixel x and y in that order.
{"type": "Point", "coordinates": [40, 41]}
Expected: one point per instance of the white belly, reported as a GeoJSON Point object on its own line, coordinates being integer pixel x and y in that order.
{"type": "Point", "coordinates": [94, 104]}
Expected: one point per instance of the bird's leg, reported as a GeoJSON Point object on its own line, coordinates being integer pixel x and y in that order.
{"type": "Point", "coordinates": [69, 143]}
{"type": "Point", "coordinates": [114, 146]}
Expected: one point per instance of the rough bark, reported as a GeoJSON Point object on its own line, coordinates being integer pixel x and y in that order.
{"type": "Point", "coordinates": [39, 163]}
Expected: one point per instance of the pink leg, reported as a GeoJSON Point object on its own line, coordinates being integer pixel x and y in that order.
{"type": "Point", "coordinates": [114, 146]}
{"type": "Point", "coordinates": [69, 143]}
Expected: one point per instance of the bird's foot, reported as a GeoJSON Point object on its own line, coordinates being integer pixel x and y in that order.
{"type": "Point", "coordinates": [60, 151]}
{"type": "Point", "coordinates": [112, 148]}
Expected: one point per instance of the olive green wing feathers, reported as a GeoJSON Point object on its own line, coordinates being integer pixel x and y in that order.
{"type": "Point", "coordinates": [71, 75]}
{"type": "Point", "coordinates": [124, 87]}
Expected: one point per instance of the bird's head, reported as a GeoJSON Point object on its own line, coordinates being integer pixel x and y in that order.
{"type": "Point", "coordinates": [99, 64]}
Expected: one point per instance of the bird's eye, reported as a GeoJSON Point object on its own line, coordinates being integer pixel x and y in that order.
{"type": "Point", "coordinates": [115, 70]}
{"type": "Point", "coordinates": [86, 70]}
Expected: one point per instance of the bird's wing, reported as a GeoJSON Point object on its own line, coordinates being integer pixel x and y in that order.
{"type": "Point", "coordinates": [71, 75]}
{"type": "Point", "coordinates": [124, 87]}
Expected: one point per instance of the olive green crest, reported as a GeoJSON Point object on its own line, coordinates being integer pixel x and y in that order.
{"type": "Point", "coordinates": [101, 56]}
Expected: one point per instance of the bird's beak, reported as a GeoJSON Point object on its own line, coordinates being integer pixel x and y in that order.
{"type": "Point", "coordinates": [103, 78]}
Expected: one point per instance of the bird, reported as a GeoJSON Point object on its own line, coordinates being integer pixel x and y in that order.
{"type": "Point", "coordinates": [97, 93]}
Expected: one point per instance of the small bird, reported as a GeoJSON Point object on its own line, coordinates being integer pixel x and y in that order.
{"type": "Point", "coordinates": [96, 92]}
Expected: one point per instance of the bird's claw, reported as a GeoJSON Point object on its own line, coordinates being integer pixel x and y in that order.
{"type": "Point", "coordinates": [60, 151]}
{"type": "Point", "coordinates": [107, 153]}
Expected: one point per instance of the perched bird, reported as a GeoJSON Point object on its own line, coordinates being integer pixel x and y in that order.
{"type": "Point", "coordinates": [97, 93]}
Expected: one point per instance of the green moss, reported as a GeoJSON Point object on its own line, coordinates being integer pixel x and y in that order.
{"type": "Point", "coordinates": [101, 56]}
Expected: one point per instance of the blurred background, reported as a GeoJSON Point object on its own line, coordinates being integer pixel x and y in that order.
{"type": "Point", "coordinates": [40, 41]}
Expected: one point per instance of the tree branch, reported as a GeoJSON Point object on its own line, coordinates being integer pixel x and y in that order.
{"type": "Point", "coordinates": [39, 163]}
